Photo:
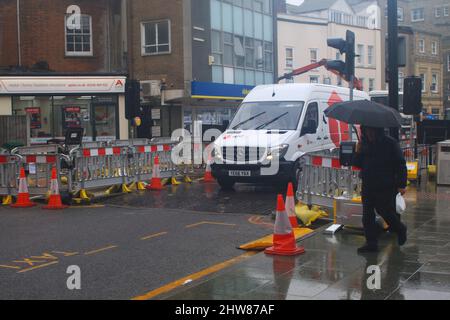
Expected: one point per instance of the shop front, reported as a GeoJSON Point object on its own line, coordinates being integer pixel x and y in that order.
{"type": "Point", "coordinates": [55, 104]}
{"type": "Point", "coordinates": [214, 104]}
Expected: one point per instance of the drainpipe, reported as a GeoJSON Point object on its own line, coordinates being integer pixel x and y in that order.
{"type": "Point", "coordinates": [19, 55]}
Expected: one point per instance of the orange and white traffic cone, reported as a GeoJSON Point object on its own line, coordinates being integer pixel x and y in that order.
{"type": "Point", "coordinates": [284, 243]}
{"type": "Point", "coordinates": [155, 183]}
{"type": "Point", "coordinates": [290, 206]}
{"type": "Point", "coordinates": [23, 197]}
{"type": "Point", "coordinates": [54, 202]}
{"type": "Point", "coordinates": [208, 175]}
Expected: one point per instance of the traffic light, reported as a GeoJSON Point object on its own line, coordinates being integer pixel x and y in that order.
{"type": "Point", "coordinates": [132, 99]}
{"type": "Point", "coordinates": [346, 47]}
{"type": "Point", "coordinates": [412, 96]}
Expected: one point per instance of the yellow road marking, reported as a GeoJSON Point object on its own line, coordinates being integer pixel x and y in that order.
{"type": "Point", "coordinates": [87, 206]}
{"type": "Point", "coordinates": [45, 256]}
{"type": "Point", "coordinates": [153, 235]}
{"type": "Point", "coordinates": [99, 250]}
{"type": "Point", "coordinates": [28, 261]}
{"type": "Point", "coordinates": [193, 277]}
{"type": "Point", "coordinates": [8, 267]}
{"type": "Point", "coordinates": [37, 267]}
{"type": "Point", "coordinates": [208, 222]}
{"type": "Point", "coordinates": [66, 254]}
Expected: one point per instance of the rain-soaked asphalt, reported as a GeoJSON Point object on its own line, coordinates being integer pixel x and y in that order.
{"type": "Point", "coordinates": [134, 244]}
{"type": "Point", "coordinates": [206, 197]}
{"type": "Point", "coordinates": [331, 268]}
{"type": "Point", "coordinates": [139, 243]}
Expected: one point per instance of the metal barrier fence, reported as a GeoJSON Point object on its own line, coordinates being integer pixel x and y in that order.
{"type": "Point", "coordinates": [421, 156]}
{"type": "Point", "coordinates": [90, 166]}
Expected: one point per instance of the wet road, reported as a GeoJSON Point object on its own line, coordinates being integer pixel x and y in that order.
{"type": "Point", "coordinates": [331, 268]}
{"type": "Point", "coordinates": [133, 245]}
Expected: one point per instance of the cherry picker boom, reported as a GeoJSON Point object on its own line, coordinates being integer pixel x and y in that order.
{"type": "Point", "coordinates": [312, 66]}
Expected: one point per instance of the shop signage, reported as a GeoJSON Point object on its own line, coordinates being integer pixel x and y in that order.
{"type": "Point", "coordinates": [56, 85]}
{"type": "Point", "coordinates": [35, 117]}
{"type": "Point", "coordinates": [222, 91]}
{"type": "Point", "coordinates": [72, 117]}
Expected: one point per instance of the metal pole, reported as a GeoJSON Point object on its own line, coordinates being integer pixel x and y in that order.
{"type": "Point", "coordinates": [393, 59]}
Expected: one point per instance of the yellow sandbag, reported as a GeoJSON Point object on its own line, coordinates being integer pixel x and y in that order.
{"type": "Point", "coordinates": [432, 170]}
{"type": "Point", "coordinates": [267, 241]}
{"type": "Point", "coordinates": [308, 216]}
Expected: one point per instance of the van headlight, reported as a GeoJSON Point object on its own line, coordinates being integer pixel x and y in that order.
{"type": "Point", "coordinates": [217, 153]}
{"type": "Point", "coordinates": [277, 152]}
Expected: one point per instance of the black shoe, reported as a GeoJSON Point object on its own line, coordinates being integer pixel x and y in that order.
{"type": "Point", "coordinates": [402, 236]}
{"type": "Point", "coordinates": [368, 248]}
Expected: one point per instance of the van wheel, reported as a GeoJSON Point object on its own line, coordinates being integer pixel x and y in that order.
{"type": "Point", "coordinates": [226, 184]}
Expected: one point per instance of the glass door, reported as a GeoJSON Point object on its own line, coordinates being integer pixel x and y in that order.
{"type": "Point", "coordinates": [104, 122]}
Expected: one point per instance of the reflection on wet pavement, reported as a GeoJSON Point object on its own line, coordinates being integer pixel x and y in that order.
{"type": "Point", "coordinates": [331, 268]}
{"type": "Point", "coordinates": [204, 197]}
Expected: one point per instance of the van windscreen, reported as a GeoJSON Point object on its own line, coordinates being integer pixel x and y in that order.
{"type": "Point", "coordinates": [268, 116]}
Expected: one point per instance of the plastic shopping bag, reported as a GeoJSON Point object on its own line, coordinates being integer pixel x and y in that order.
{"type": "Point", "coordinates": [400, 204]}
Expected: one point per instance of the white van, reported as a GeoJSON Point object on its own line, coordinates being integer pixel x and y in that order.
{"type": "Point", "coordinates": [283, 121]}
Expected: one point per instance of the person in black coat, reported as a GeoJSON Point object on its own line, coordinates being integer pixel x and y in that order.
{"type": "Point", "coordinates": [384, 175]}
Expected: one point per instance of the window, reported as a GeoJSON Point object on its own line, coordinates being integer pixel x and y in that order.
{"type": "Point", "coordinates": [400, 13]}
{"type": "Point", "coordinates": [360, 51]}
{"type": "Point", "coordinates": [446, 11]}
{"type": "Point", "coordinates": [313, 79]}
{"type": "Point", "coordinates": [311, 121]}
{"type": "Point", "coordinates": [216, 40]}
{"type": "Point", "coordinates": [435, 111]}
{"type": "Point", "coordinates": [327, 80]}
{"type": "Point", "coordinates": [370, 52]}
{"type": "Point", "coordinates": [434, 49]}
{"type": "Point", "coordinates": [289, 58]}
{"type": "Point", "coordinates": [228, 50]}
{"type": "Point", "coordinates": [79, 38]}
{"type": "Point", "coordinates": [361, 80]}
{"type": "Point", "coordinates": [424, 82]}
{"type": "Point", "coordinates": [313, 55]}
{"type": "Point", "coordinates": [438, 12]}
{"type": "Point", "coordinates": [401, 78]}
{"type": "Point", "coordinates": [417, 14]}
{"type": "Point", "coordinates": [339, 81]}
{"type": "Point", "coordinates": [371, 84]}
{"type": "Point", "coordinates": [421, 46]}
{"type": "Point", "coordinates": [434, 83]}
{"type": "Point", "coordinates": [155, 37]}
{"type": "Point", "coordinates": [448, 63]}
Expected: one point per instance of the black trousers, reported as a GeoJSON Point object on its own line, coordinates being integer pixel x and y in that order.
{"type": "Point", "coordinates": [384, 204]}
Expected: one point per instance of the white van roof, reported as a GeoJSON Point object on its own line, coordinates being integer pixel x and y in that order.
{"type": "Point", "coordinates": [297, 92]}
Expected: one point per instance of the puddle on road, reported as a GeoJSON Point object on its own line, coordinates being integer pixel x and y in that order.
{"type": "Point", "coordinates": [204, 197]}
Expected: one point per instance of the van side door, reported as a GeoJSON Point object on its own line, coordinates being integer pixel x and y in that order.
{"type": "Point", "coordinates": [311, 129]}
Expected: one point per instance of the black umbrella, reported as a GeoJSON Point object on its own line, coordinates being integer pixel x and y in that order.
{"type": "Point", "coordinates": [366, 113]}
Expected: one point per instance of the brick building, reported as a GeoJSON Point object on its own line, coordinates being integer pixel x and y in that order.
{"type": "Point", "coordinates": [63, 63]}
{"type": "Point", "coordinates": [197, 59]}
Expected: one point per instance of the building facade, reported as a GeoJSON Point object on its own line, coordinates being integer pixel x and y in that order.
{"type": "Point", "coordinates": [64, 67]}
{"type": "Point", "coordinates": [425, 25]}
{"type": "Point", "coordinates": [315, 22]}
{"type": "Point", "coordinates": [197, 59]}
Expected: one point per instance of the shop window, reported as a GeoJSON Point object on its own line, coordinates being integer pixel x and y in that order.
{"type": "Point", "coordinates": [155, 37]}
{"type": "Point", "coordinates": [78, 37]}
{"type": "Point", "coordinates": [51, 117]}
{"type": "Point", "coordinates": [39, 109]}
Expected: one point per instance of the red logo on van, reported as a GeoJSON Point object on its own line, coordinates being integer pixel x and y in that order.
{"type": "Point", "coordinates": [119, 83]}
{"type": "Point", "coordinates": [338, 130]}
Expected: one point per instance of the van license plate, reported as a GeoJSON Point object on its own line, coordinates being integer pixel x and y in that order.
{"type": "Point", "coordinates": [239, 173]}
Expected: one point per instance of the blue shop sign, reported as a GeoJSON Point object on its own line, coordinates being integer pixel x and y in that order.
{"type": "Point", "coordinates": [222, 91]}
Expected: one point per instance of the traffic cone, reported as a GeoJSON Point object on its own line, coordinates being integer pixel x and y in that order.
{"type": "Point", "coordinates": [54, 202]}
{"type": "Point", "coordinates": [155, 183]}
{"type": "Point", "coordinates": [23, 197]}
{"type": "Point", "coordinates": [290, 206]}
{"type": "Point", "coordinates": [208, 175]}
{"type": "Point", "coordinates": [284, 243]}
